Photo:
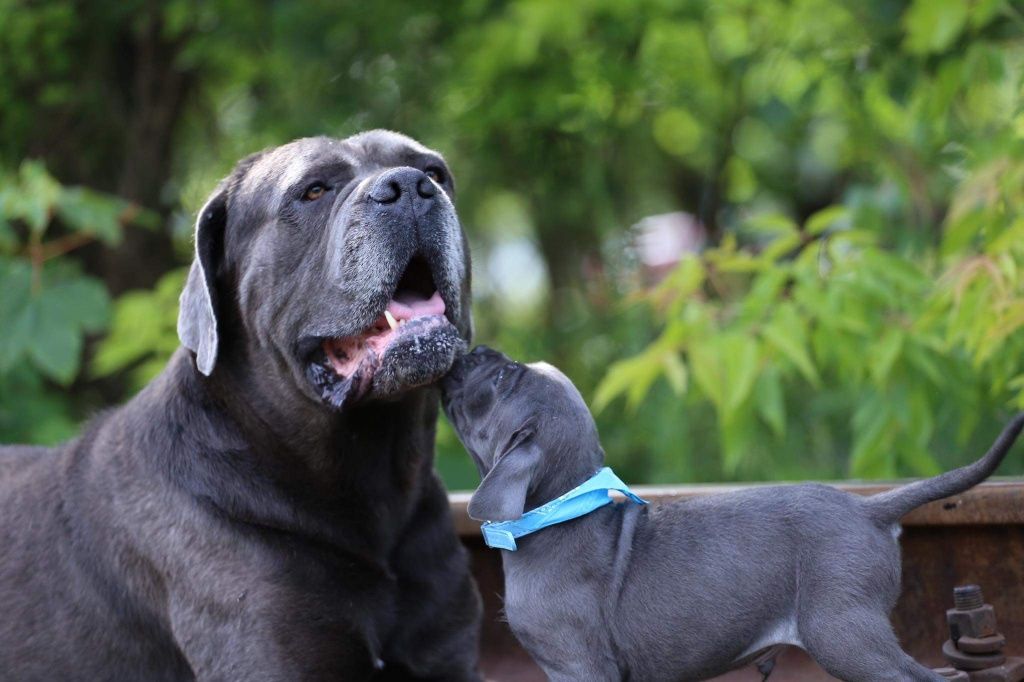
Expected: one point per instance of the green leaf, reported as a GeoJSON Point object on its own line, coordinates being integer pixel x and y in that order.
{"type": "Point", "coordinates": [46, 326]}
{"type": "Point", "coordinates": [922, 359]}
{"type": "Point", "coordinates": [787, 333]}
{"type": "Point", "coordinates": [17, 337]}
{"type": "Point", "coordinates": [15, 318]}
{"type": "Point", "coordinates": [919, 461]}
{"type": "Point", "coordinates": [884, 355]}
{"type": "Point", "coordinates": [93, 213]}
{"type": "Point", "coordinates": [769, 402]}
{"type": "Point", "coordinates": [35, 200]}
{"type": "Point", "coordinates": [725, 368]}
{"type": "Point", "coordinates": [736, 435]}
{"type": "Point", "coordinates": [15, 286]}
{"type": "Point", "coordinates": [647, 373]}
{"type": "Point", "coordinates": [934, 25]}
{"type": "Point", "coordinates": [825, 218]}
{"type": "Point", "coordinates": [781, 247]}
{"type": "Point", "coordinates": [675, 372]}
{"type": "Point", "coordinates": [872, 454]}
{"type": "Point", "coordinates": [775, 224]}
{"type": "Point", "coordinates": [685, 279]}
{"type": "Point", "coordinates": [143, 333]}
{"type": "Point", "coordinates": [632, 376]}
{"type": "Point", "coordinates": [82, 301]}
{"type": "Point", "coordinates": [56, 345]}
{"type": "Point", "coordinates": [677, 131]}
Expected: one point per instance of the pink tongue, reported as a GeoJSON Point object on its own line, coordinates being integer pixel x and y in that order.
{"type": "Point", "coordinates": [406, 306]}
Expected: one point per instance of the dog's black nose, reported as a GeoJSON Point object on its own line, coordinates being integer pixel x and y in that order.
{"type": "Point", "coordinates": [392, 185]}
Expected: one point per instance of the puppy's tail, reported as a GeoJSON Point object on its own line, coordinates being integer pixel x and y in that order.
{"type": "Point", "coordinates": [889, 507]}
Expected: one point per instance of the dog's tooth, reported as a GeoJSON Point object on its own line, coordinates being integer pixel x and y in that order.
{"type": "Point", "coordinates": [392, 322]}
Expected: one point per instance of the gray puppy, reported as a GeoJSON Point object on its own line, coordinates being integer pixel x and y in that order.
{"type": "Point", "coordinates": [690, 589]}
{"type": "Point", "coordinates": [266, 509]}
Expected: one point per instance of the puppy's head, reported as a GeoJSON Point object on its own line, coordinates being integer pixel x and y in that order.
{"type": "Point", "coordinates": [526, 427]}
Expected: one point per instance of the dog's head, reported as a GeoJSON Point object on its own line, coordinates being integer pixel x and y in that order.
{"type": "Point", "coordinates": [526, 427]}
{"type": "Point", "coordinates": [337, 265]}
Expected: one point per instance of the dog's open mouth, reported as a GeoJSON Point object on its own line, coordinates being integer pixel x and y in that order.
{"type": "Point", "coordinates": [345, 367]}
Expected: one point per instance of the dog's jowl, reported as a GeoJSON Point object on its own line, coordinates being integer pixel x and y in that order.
{"type": "Point", "coordinates": [685, 590]}
{"type": "Point", "coordinates": [266, 509]}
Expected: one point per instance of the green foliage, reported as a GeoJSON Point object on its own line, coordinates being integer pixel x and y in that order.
{"type": "Point", "coordinates": [858, 168]}
{"type": "Point", "coordinates": [912, 340]}
{"type": "Point", "coordinates": [45, 318]}
{"type": "Point", "coordinates": [48, 307]}
{"type": "Point", "coordinates": [143, 333]}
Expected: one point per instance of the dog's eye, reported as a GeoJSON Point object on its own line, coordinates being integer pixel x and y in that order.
{"type": "Point", "coordinates": [435, 174]}
{"type": "Point", "coordinates": [314, 192]}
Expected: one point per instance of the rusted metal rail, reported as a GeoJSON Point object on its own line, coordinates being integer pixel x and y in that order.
{"type": "Point", "coordinates": [977, 537]}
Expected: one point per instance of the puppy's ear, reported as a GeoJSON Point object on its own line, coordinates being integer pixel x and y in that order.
{"type": "Point", "coordinates": [502, 494]}
{"type": "Point", "coordinates": [197, 316]}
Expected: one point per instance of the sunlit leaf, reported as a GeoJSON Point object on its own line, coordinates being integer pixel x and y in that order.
{"type": "Point", "coordinates": [787, 333]}
{"type": "Point", "coordinates": [36, 198]}
{"type": "Point", "coordinates": [872, 456]}
{"type": "Point", "coordinates": [675, 372]}
{"type": "Point", "coordinates": [933, 25]}
{"type": "Point", "coordinates": [725, 369]}
{"type": "Point", "coordinates": [884, 354]}
{"type": "Point", "coordinates": [825, 219]}
{"type": "Point", "coordinates": [769, 401]}
{"type": "Point", "coordinates": [632, 377]}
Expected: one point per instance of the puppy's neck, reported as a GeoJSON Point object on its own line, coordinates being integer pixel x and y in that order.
{"type": "Point", "coordinates": [602, 540]}
{"type": "Point", "coordinates": [562, 472]}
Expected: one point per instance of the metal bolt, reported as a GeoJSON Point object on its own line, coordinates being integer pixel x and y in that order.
{"type": "Point", "coordinates": [968, 597]}
{"type": "Point", "coordinates": [975, 646]}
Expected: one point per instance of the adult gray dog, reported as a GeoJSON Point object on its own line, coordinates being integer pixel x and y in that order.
{"type": "Point", "coordinates": [266, 509]}
{"type": "Point", "coordinates": [690, 589]}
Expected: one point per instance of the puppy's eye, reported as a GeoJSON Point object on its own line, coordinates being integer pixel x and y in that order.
{"type": "Point", "coordinates": [314, 191]}
{"type": "Point", "coordinates": [435, 174]}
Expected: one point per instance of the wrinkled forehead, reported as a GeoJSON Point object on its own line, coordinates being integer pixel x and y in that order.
{"type": "Point", "coordinates": [366, 153]}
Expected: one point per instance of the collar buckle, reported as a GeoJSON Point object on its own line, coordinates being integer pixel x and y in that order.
{"type": "Point", "coordinates": [497, 538]}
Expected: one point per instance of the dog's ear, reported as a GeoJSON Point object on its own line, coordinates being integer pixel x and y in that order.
{"type": "Point", "coordinates": [197, 315]}
{"type": "Point", "coordinates": [502, 494]}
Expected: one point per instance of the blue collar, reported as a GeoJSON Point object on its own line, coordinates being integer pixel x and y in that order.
{"type": "Point", "coordinates": [590, 495]}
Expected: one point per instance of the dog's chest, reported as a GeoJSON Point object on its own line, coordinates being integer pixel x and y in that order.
{"type": "Point", "coordinates": [557, 612]}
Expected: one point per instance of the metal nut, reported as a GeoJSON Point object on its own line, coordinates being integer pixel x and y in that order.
{"type": "Point", "coordinates": [977, 623]}
{"type": "Point", "coordinates": [964, 661]}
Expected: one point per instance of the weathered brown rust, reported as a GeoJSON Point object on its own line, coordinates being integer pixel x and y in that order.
{"type": "Point", "coordinates": [977, 537]}
{"type": "Point", "coordinates": [975, 644]}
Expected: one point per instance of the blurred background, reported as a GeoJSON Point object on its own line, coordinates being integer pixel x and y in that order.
{"type": "Point", "coordinates": [767, 239]}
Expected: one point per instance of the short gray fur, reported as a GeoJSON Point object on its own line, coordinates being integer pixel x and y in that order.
{"type": "Point", "coordinates": [234, 521]}
{"type": "Point", "coordinates": [690, 589]}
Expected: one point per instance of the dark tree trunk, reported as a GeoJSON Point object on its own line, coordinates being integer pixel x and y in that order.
{"type": "Point", "coordinates": [116, 134]}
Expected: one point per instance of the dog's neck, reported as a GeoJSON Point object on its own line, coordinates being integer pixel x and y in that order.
{"type": "Point", "coordinates": [608, 532]}
{"type": "Point", "coordinates": [304, 475]}
{"type": "Point", "coordinates": [562, 473]}
{"type": "Point", "coordinates": [283, 421]}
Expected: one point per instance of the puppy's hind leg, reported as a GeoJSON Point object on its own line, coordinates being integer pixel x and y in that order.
{"type": "Point", "coordinates": [858, 645]}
